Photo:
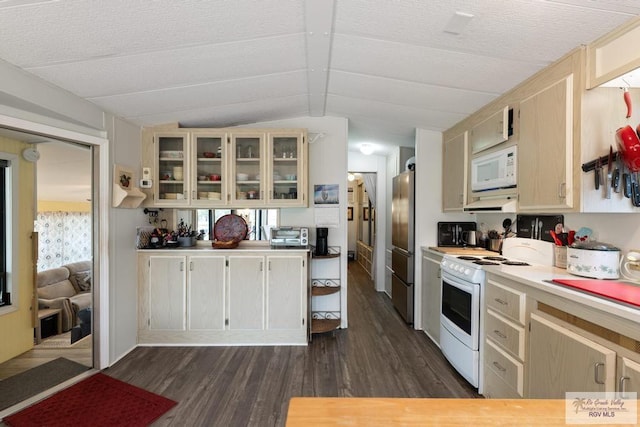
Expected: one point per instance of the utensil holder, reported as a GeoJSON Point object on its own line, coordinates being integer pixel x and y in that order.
{"type": "Point", "coordinates": [186, 241]}
{"type": "Point", "coordinates": [495, 245]}
{"type": "Point", "coordinates": [560, 256]}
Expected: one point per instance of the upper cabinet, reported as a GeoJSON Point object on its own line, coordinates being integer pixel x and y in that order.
{"type": "Point", "coordinates": [545, 149]}
{"type": "Point", "coordinates": [614, 54]}
{"type": "Point", "coordinates": [227, 167]}
{"type": "Point", "coordinates": [494, 130]}
{"type": "Point", "coordinates": [171, 166]}
{"type": "Point", "coordinates": [286, 178]}
{"type": "Point", "coordinates": [454, 177]}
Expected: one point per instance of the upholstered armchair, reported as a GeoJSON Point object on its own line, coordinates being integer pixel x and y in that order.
{"type": "Point", "coordinates": [68, 288]}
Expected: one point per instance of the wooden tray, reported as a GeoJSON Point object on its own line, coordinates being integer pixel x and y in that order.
{"type": "Point", "coordinates": [230, 228]}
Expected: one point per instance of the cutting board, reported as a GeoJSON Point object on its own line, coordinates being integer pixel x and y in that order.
{"type": "Point", "coordinates": [618, 291]}
{"type": "Point", "coordinates": [463, 251]}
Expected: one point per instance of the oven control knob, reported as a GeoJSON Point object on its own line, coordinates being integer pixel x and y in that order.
{"type": "Point", "coordinates": [467, 271]}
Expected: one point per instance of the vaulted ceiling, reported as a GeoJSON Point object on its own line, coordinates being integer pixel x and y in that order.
{"type": "Point", "coordinates": [389, 66]}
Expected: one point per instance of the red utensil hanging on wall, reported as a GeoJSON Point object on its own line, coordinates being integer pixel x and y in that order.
{"type": "Point", "coordinates": [627, 100]}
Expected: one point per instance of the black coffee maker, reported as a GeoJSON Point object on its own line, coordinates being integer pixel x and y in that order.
{"type": "Point", "coordinates": [322, 247]}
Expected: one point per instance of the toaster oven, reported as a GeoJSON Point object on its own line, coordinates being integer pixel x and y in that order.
{"type": "Point", "coordinates": [283, 237]}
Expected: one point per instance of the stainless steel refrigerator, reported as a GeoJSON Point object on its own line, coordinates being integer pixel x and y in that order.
{"type": "Point", "coordinates": [402, 240]}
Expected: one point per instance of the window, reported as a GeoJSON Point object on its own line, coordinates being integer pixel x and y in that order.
{"type": "Point", "coordinates": [5, 231]}
{"type": "Point", "coordinates": [258, 221]}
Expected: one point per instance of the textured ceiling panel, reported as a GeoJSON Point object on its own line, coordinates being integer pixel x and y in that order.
{"type": "Point", "coordinates": [390, 66]}
{"type": "Point", "coordinates": [177, 67]}
{"type": "Point", "coordinates": [427, 65]}
{"type": "Point", "coordinates": [527, 30]}
{"type": "Point", "coordinates": [339, 106]}
{"type": "Point", "coordinates": [267, 87]}
{"type": "Point", "coordinates": [401, 92]}
{"type": "Point", "coordinates": [75, 30]}
{"type": "Point", "coordinates": [232, 115]}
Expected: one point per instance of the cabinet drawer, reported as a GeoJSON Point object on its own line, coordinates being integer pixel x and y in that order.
{"type": "Point", "coordinates": [506, 301]}
{"type": "Point", "coordinates": [505, 333]}
{"type": "Point", "coordinates": [504, 366]}
{"type": "Point", "coordinates": [496, 388]}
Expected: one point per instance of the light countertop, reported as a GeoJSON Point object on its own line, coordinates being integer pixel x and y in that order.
{"type": "Point", "coordinates": [244, 246]}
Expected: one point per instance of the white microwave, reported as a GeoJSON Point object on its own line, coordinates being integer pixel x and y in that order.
{"type": "Point", "coordinates": [494, 170]}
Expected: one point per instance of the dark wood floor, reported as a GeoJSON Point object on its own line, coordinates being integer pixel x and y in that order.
{"type": "Point", "coordinates": [378, 355]}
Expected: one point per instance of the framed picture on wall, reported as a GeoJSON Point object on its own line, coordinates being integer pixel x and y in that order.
{"type": "Point", "coordinates": [350, 213]}
{"type": "Point", "coordinates": [365, 214]}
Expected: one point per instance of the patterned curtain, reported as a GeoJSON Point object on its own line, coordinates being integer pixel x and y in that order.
{"type": "Point", "coordinates": [63, 237]}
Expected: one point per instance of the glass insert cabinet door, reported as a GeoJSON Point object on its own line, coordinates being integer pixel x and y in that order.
{"type": "Point", "coordinates": [172, 168]}
{"type": "Point", "coordinates": [285, 169]}
{"type": "Point", "coordinates": [247, 152]}
{"type": "Point", "coordinates": [210, 169]}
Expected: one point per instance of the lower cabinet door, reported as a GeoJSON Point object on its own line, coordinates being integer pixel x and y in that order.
{"type": "Point", "coordinates": [206, 291]}
{"type": "Point", "coordinates": [285, 287]}
{"type": "Point", "coordinates": [246, 292]}
{"type": "Point", "coordinates": [560, 361]}
{"type": "Point", "coordinates": [167, 295]}
{"type": "Point", "coordinates": [628, 376]}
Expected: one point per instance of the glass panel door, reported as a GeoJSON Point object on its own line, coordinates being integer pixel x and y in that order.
{"type": "Point", "coordinates": [248, 154]}
{"type": "Point", "coordinates": [209, 175]}
{"type": "Point", "coordinates": [285, 169]}
{"type": "Point", "coordinates": [172, 168]}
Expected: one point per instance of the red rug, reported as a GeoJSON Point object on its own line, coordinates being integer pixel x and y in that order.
{"type": "Point", "coordinates": [96, 401]}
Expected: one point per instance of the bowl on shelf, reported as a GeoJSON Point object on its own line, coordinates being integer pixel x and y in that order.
{"type": "Point", "coordinates": [242, 176]}
{"type": "Point", "coordinates": [291, 177]}
{"type": "Point", "coordinates": [171, 196]}
{"type": "Point", "coordinates": [171, 154]}
{"type": "Point", "coordinates": [214, 177]}
{"type": "Point", "coordinates": [203, 194]}
{"type": "Point", "coordinates": [213, 195]}
{"type": "Point", "coordinates": [208, 154]}
{"type": "Point", "coordinates": [202, 178]}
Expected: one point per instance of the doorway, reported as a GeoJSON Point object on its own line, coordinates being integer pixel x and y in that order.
{"type": "Point", "coordinates": [65, 221]}
{"type": "Point", "coordinates": [361, 213]}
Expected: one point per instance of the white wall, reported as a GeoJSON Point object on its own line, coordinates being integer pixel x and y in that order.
{"type": "Point", "coordinates": [428, 203]}
{"type": "Point", "coordinates": [327, 165]}
{"type": "Point", "coordinates": [123, 266]}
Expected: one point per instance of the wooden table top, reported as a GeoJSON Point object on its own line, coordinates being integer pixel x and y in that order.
{"type": "Point", "coordinates": [319, 411]}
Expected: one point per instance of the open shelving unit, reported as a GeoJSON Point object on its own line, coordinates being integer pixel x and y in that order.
{"type": "Point", "coordinates": [324, 319]}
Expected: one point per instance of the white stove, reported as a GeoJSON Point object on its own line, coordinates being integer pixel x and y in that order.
{"type": "Point", "coordinates": [463, 279]}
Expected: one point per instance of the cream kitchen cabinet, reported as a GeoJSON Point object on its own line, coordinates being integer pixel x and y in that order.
{"type": "Point", "coordinates": [246, 294]}
{"type": "Point", "coordinates": [171, 169]}
{"type": "Point", "coordinates": [628, 376]}
{"type": "Point", "coordinates": [614, 54]}
{"type": "Point", "coordinates": [431, 295]}
{"type": "Point", "coordinates": [227, 297]}
{"type": "Point", "coordinates": [492, 131]}
{"type": "Point", "coordinates": [209, 171]}
{"type": "Point", "coordinates": [454, 173]}
{"type": "Point", "coordinates": [286, 299]}
{"type": "Point", "coordinates": [504, 340]}
{"type": "Point", "coordinates": [287, 162]}
{"type": "Point", "coordinates": [545, 149]}
{"type": "Point", "coordinates": [164, 303]}
{"type": "Point", "coordinates": [228, 167]}
{"type": "Point", "coordinates": [177, 293]}
{"type": "Point", "coordinates": [269, 168]}
{"type": "Point", "coordinates": [562, 360]}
